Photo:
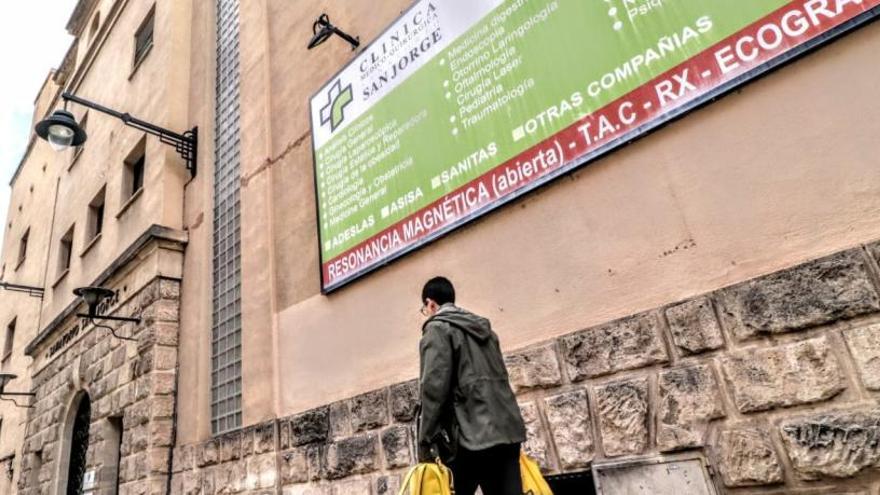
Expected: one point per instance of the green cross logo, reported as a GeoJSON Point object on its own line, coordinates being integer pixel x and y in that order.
{"type": "Point", "coordinates": [337, 99]}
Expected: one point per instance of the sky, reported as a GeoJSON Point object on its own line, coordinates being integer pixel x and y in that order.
{"type": "Point", "coordinates": [33, 40]}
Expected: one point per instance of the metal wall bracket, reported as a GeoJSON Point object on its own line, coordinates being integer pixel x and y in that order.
{"type": "Point", "coordinates": [186, 144]}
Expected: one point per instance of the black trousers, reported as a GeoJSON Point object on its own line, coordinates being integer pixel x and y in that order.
{"type": "Point", "coordinates": [495, 470]}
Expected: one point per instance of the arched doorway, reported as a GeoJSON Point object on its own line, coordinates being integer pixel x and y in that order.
{"type": "Point", "coordinates": [79, 445]}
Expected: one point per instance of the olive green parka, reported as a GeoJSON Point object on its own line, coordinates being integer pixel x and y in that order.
{"type": "Point", "coordinates": [465, 394]}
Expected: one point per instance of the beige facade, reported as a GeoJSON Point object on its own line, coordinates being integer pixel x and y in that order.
{"type": "Point", "coordinates": [731, 192]}
{"type": "Point", "coordinates": [57, 199]}
{"type": "Point", "coordinates": [24, 263]}
{"type": "Point", "coordinates": [735, 242]}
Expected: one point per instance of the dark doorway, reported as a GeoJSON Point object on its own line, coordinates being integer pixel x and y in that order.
{"type": "Point", "coordinates": [572, 484]}
{"type": "Point", "coordinates": [79, 445]}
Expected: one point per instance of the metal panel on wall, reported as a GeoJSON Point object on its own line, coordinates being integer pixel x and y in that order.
{"type": "Point", "coordinates": [666, 475]}
{"type": "Point", "coordinates": [463, 105]}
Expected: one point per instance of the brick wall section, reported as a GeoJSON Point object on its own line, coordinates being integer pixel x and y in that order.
{"type": "Point", "coordinates": [775, 380]}
{"type": "Point", "coordinates": [134, 380]}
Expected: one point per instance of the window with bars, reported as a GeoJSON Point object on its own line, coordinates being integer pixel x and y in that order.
{"type": "Point", "coordinates": [22, 246]}
{"type": "Point", "coordinates": [133, 178]}
{"type": "Point", "coordinates": [112, 453]}
{"type": "Point", "coordinates": [65, 250]}
{"type": "Point", "coordinates": [226, 412]}
{"type": "Point", "coordinates": [8, 341]}
{"type": "Point", "coordinates": [96, 216]}
{"type": "Point", "coordinates": [137, 175]}
{"type": "Point", "coordinates": [143, 38]}
{"type": "Point", "coordinates": [83, 123]}
{"type": "Point", "coordinates": [96, 23]}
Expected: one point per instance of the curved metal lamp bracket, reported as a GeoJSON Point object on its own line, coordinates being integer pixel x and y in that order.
{"type": "Point", "coordinates": [186, 144]}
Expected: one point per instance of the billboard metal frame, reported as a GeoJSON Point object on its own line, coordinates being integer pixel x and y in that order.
{"type": "Point", "coordinates": [624, 140]}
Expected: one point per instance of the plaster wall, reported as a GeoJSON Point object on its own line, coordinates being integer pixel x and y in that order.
{"type": "Point", "coordinates": [194, 407]}
{"type": "Point", "coordinates": [34, 190]}
{"type": "Point", "coordinates": [32, 196]}
{"type": "Point", "coordinates": [51, 191]}
{"type": "Point", "coordinates": [781, 171]}
{"type": "Point", "coordinates": [105, 74]}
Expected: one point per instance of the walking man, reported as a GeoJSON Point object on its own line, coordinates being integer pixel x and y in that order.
{"type": "Point", "coordinates": [469, 416]}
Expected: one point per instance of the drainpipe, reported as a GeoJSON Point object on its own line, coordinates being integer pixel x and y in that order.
{"type": "Point", "coordinates": [173, 423]}
{"type": "Point", "coordinates": [48, 251]}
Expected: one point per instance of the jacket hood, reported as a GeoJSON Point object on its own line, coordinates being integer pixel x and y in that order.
{"type": "Point", "coordinates": [476, 326]}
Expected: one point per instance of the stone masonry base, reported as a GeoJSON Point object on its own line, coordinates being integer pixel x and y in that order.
{"type": "Point", "coordinates": [129, 383]}
{"type": "Point", "coordinates": [775, 380]}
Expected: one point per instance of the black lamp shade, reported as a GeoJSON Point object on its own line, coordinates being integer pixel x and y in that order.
{"type": "Point", "coordinates": [61, 130]}
{"type": "Point", "coordinates": [320, 36]}
{"type": "Point", "coordinates": [93, 296]}
{"type": "Point", "coordinates": [323, 29]}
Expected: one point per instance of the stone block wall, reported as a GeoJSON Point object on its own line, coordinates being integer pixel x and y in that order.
{"type": "Point", "coordinates": [775, 380]}
{"type": "Point", "coordinates": [131, 381]}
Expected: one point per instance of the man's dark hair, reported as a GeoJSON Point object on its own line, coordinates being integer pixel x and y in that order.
{"type": "Point", "coordinates": [439, 290]}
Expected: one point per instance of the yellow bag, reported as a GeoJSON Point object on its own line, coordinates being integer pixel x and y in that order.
{"type": "Point", "coordinates": [532, 481]}
{"type": "Point", "coordinates": [428, 478]}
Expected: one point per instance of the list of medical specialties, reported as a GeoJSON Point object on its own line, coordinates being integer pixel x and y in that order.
{"type": "Point", "coordinates": [463, 104]}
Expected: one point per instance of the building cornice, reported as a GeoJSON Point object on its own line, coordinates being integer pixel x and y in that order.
{"type": "Point", "coordinates": [27, 152]}
{"type": "Point", "coordinates": [80, 16]}
{"type": "Point", "coordinates": [49, 77]}
{"type": "Point", "coordinates": [80, 71]}
{"type": "Point", "coordinates": [62, 73]}
{"type": "Point", "coordinates": [153, 233]}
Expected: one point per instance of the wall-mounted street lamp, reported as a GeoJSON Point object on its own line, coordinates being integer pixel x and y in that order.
{"type": "Point", "coordinates": [323, 29]}
{"type": "Point", "coordinates": [5, 378]}
{"type": "Point", "coordinates": [61, 130]}
{"type": "Point", "coordinates": [27, 289]}
{"type": "Point", "coordinates": [93, 296]}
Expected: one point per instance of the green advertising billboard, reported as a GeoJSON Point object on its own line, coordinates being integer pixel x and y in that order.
{"type": "Point", "coordinates": [462, 105]}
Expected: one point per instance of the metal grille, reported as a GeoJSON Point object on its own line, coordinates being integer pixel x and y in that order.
{"type": "Point", "coordinates": [143, 38]}
{"type": "Point", "coordinates": [79, 446]}
{"type": "Point", "coordinates": [226, 333]}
